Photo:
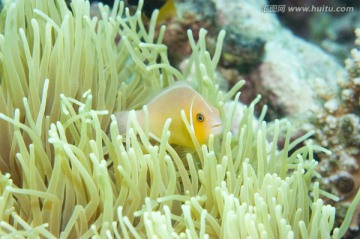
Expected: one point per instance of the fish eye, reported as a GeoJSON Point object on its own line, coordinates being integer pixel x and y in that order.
{"type": "Point", "coordinates": [200, 117]}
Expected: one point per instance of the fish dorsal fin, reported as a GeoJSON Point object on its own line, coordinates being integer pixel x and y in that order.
{"type": "Point", "coordinates": [174, 86]}
{"type": "Point", "coordinates": [184, 84]}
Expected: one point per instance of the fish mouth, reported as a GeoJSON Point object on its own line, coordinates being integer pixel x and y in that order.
{"type": "Point", "coordinates": [216, 129]}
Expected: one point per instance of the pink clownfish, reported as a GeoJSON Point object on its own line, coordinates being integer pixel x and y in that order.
{"type": "Point", "coordinates": [203, 117]}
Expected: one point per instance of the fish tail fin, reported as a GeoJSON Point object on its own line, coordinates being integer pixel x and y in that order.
{"type": "Point", "coordinates": [122, 120]}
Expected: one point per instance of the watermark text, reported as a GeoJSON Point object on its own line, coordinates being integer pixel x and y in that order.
{"type": "Point", "coordinates": [268, 8]}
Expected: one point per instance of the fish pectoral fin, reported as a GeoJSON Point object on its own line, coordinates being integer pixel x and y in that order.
{"type": "Point", "coordinates": [122, 120]}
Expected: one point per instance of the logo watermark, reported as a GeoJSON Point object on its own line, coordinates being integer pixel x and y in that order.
{"type": "Point", "coordinates": [268, 8]}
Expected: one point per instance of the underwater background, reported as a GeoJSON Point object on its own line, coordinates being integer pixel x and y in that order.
{"type": "Point", "coordinates": [285, 166]}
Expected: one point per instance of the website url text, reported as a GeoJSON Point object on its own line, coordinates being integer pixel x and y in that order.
{"type": "Point", "coordinates": [267, 8]}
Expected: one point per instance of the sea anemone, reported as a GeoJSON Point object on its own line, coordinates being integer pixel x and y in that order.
{"type": "Point", "coordinates": [67, 173]}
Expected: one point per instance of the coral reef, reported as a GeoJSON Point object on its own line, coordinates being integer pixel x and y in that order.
{"type": "Point", "coordinates": [273, 61]}
{"type": "Point", "coordinates": [67, 173]}
{"type": "Point", "coordinates": [338, 128]}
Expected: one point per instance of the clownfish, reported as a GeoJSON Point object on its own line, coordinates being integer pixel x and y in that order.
{"type": "Point", "coordinates": [166, 8]}
{"type": "Point", "coordinates": [203, 117]}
